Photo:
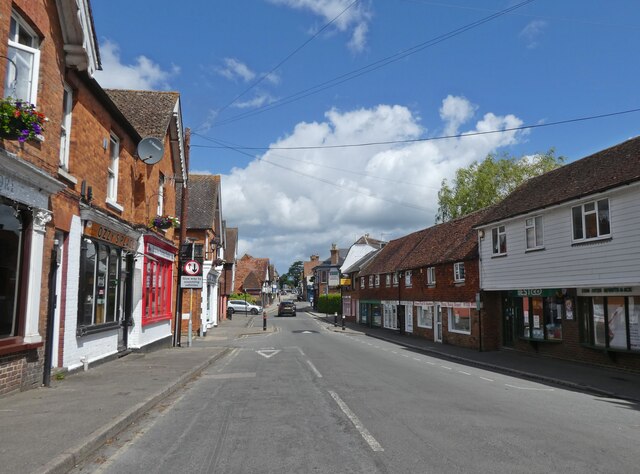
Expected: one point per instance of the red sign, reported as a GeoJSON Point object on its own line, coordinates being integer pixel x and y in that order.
{"type": "Point", "coordinates": [192, 268]}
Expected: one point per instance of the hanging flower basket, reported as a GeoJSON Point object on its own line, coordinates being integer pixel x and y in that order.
{"type": "Point", "coordinates": [165, 222]}
{"type": "Point", "coordinates": [20, 120]}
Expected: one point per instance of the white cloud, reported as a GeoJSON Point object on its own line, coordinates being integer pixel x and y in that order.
{"type": "Point", "coordinates": [143, 74]}
{"type": "Point", "coordinates": [386, 189]}
{"type": "Point", "coordinates": [532, 32]}
{"type": "Point", "coordinates": [258, 101]}
{"type": "Point", "coordinates": [355, 20]}
{"type": "Point", "coordinates": [234, 69]}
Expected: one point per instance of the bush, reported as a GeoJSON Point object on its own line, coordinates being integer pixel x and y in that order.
{"type": "Point", "coordinates": [331, 303]}
{"type": "Point", "coordinates": [240, 296]}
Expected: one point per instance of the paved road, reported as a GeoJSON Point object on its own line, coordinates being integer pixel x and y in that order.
{"type": "Point", "coordinates": [305, 399]}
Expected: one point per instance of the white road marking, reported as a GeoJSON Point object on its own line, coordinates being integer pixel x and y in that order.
{"type": "Point", "coordinates": [531, 388]}
{"type": "Point", "coordinates": [415, 358]}
{"type": "Point", "coordinates": [445, 367]}
{"type": "Point", "coordinates": [371, 441]}
{"type": "Point", "coordinates": [267, 353]}
{"type": "Point", "coordinates": [393, 352]}
{"type": "Point", "coordinates": [488, 380]}
{"type": "Point", "coordinates": [315, 371]}
{"type": "Point", "coordinates": [430, 363]}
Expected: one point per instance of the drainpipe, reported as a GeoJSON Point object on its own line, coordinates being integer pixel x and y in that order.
{"type": "Point", "coordinates": [48, 349]}
{"type": "Point", "coordinates": [183, 237]}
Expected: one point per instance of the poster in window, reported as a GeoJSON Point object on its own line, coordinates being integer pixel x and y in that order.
{"type": "Point", "coordinates": [568, 308]}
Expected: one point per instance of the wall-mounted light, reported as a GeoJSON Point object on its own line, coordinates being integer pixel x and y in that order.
{"type": "Point", "coordinates": [481, 233]}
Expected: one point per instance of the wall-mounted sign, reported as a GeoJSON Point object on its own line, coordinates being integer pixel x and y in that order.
{"type": "Point", "coordinates": [187, 281]}
{"type": "Point", "coordinates": [192, 268]}
{"type": "Point", "coordinates": [334, 277]}
{"type": "Point", "coordinates": [93, 229]}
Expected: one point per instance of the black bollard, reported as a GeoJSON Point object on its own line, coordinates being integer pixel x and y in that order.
{"type": "Point", "coordinates": [264, 320]}
{"type": "Point", "coordinates": [343, 322]}
{"type": "Point", "coordinates": [335, 320]}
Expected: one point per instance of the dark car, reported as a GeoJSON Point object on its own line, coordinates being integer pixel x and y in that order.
{"type": "Point", "coordinates": [287, 308]}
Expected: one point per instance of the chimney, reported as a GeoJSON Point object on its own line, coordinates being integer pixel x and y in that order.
{"type": "Point", "coordinates": [314, 258]}
{"type": "Point", "coordinates": [334, 254]}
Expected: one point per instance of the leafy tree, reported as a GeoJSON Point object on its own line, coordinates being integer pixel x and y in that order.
{"type": "Point", "coordinates": [283, 280]}
{"type": "Point", "coordinates": [488, 182]}
{"type": "Point", "coordinates": [295, 272]}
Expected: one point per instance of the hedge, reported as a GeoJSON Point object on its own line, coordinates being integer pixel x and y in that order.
{"type": "Point", "coordinates": [331, 303]}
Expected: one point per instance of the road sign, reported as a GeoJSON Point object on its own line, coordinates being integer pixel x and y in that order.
{"type": "Point", "coordinates": [187, 281]}
{"type": "Point", "coordinates": [192, 268]}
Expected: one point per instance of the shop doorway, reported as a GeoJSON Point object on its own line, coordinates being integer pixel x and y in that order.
{"type": "Point", "coordinates": [126, 293]}
{"type": "Point", "coordinates": [509, 318]}
{"type": "Point", "coordinates": [437, 333]}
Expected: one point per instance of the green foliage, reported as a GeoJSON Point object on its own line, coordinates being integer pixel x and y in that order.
{"type": "Point", "coordinates": [20, 120]}
{"type": "Point", "coordinates": [283, 280]}
{"type": "Point", "coordinates": [240, 296]}
{"type": "Point", "coordinates": [483, 184]}
{"type": "Point", "coordinates": [295, 272]}
{"type": "Point", "coordinates": [331, 303]}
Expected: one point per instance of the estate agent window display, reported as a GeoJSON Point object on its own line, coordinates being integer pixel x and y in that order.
{"type": "Point", "coordinates": [610, 322]}
{"type": "Point", "coordinates": [541, 317]}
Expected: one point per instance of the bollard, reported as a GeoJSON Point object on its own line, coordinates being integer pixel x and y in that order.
{"type": "Point", "coordinates": [343, 322]}
{"type": "Point", "coordinates": [335, 320]}
{"type": "Point", "coordinates": [264, 320]}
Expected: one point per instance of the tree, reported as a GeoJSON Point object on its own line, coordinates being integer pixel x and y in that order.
{"type": "Point", "coordinates": [482, 184]}
{"type": "Point", "coordinates": [295, 272]}
{"type": "Point", "coordinates": [283, 280]}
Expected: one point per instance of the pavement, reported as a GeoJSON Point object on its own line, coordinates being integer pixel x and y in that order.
{"type": "Point", "coordinates": [50, 430]}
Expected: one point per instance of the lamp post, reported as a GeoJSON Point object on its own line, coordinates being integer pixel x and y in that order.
{"type": "Point", "coordinates": [400, 305]}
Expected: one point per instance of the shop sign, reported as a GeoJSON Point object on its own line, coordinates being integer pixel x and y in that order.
{"type": "Point", "coordinates": [159, 252]}
{"type": "Point", "coordinates": [187, 281]}
{"type": "Point", "coordinates": [334, 277]}
{"type": "Point", "coordinates": [93, 229]}
{"type": "Point", "coordinates": [345, 281]}
{"type": "Point", "coordinates": [535, 292]}
{"type": "Point", "coordinates": [612, 291]}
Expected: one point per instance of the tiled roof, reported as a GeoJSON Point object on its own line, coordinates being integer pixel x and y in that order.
{"type": "Point", "coordinates": [148, 111]}
{"type": "Point", "coordinates": [202, 201]}
{"type": "Point", "coordinates": [309, 266]}
{"type": "Point", "coordinates": [454, 240]}
{"type": "Point", "coordinates": [248, 264]}
{"type": "Point", "coordinates": [231, 239]}
{"type": "Point", "coordinates": [606, 169]}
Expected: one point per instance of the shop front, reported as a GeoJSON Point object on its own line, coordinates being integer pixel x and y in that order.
{"type": "Point", "coordinates": [25, 193]}
{"type": "Point", "coordinates": [390, 314]}
{"type": "Point", "coordinates": [370, 313]}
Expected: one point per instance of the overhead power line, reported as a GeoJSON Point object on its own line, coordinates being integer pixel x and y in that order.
{"type": "Point", "coordinates": [372, 66]}
{"type": "Point", "coordinates": [286, 58]}
{"type": "Point", "coordinates": [441, 137]}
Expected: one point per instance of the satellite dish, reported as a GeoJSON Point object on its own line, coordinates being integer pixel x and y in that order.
{"type": "Point", "coordinates": [150, 150]}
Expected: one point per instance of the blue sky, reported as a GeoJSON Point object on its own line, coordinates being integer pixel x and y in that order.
{"type": "Point", "coordinates": [543, 62]}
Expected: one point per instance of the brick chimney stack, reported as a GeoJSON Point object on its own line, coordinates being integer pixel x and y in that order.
{"type": "Point", "coordinates": [334, 254]}
{"type": "Point", "coordinates": [314, 258]}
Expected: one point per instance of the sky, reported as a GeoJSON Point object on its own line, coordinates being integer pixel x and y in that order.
{"type": "Point", "coordinates": [273, 90]}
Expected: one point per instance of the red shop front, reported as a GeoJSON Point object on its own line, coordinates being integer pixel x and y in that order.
{"type": "Point", "coordinates": [157, 275]}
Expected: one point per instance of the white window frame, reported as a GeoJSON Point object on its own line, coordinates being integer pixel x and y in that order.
{"type": "Point", "coordinates": [583, 217]}
{"type": "Point", "coordinates": [65, 127]}
{"type": "Point", "coordinates": [431, 276]}
{"type": "Point", "coordinates": [408, 274]}
{"type": "Point", "coordinates": [450, 321]}
{"type": "Point", "coordinates": [377, 280]}
{"type": "Point", "coordinates": [534, 226]}
{"type": "Point", "coordinates": [458, 275]}
{"type": "Point", "coordinates": [498, 237]}
{"type": "Point", "coordinates": [394, 277]}
{"type": "Point", "coordinates": [388, 280]}
{"type": "Point", "coordinates": [425, 316]}
{"type": "Point", "coordinates": [14, 50]}
{"type": "Point", "coordinates": [370, 281]}
{"type": "Point", "coordinates": [362, 282]}
{"type": "Point", "coordinates": [161, 181]}
{"type": "Point", "coordinates": [114, 159]}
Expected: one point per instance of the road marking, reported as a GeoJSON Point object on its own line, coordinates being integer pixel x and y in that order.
{"type": "Point", "coordinates": [463, 372]}
{"type": "Point", "coordinates": [430, 363]}
{"type": "Point", "coordinates": [371, 441]}
{"type": "Point", "coordinates": [267, 353]}
{"type": "Point", "coordinates": [445, 367]}
{"type": "Point", "coordinates": [237, 375]}
{"type": "Point", "coordinates": [415, 358]}
{"type": "Point", "coordinates": [315, 371]}
{"type": "Point", "coordinates": [488, 380]}
{"type": "Point", "coordinates": [393, 352]}
{"type": "Point", "coordinates": [405, 355]}
{"type": "Point", "coordinates": [531, 388]}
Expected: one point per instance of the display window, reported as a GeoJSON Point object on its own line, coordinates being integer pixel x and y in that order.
{"type": "Point", "coordinates": [158, 278]}
{"type": "Point", "coordinates": [541, 318]}
{"type": "Point", "coordinates": [611, 322]}
{"type": "Point", "coordinates": [460, 320]}
{"type": "Point", "coordinates": [11, 252]}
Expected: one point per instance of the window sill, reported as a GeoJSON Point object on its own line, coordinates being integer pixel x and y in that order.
{"type": "Point", "coordinates": [535, 249]}
{"type": "Point", "coordinates": [12, 345]}
{"type": "Point", "coordinates": [160, 319]}
{"type": "Point", "coordinates": [455, 331]}
{"type": "Point", "coordinates": [459, 283]}
{"type": "Point", "coordinates": [64, 174]}
{"type": "Point", "coordinates": [88, 330]}
{"type": "Point", "coordinates": [498, 255]}
{"type": "Point", "coordinates": [595, 241]}
{"type": "Point", "coordinates": [114, 205]}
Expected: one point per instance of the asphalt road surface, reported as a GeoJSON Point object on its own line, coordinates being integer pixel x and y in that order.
{"type": "Point", "coordinates": [309, 400]}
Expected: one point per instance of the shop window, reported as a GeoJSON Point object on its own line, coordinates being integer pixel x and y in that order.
{"type": "Point", "coordinates": [23, 54]}
{"type": "Point", "coordinates": [541, 317]}
{"type": "Point", "coordinates": [611, 322]}
{"type": "Point", "coordinates": [425, 316]}
{"type": "Point", "coordinates": [158, 276]}
{"type": "Point", "coordinates": [11, 251]}
{"type": "Point", "coordinates": [533, 231]}
{"type": "Point", "coordinates": [460, 320]}
{"type": "Point", "coordinates": [99, 277]}
{"type": "Point", "coordinates": [458, 272]}
{"type": "Point", "coordinates": [431, 276]}
{"type": "Point", "coordinates": [591, 220]}
{"type": "Point", "coordinates": [499, 240]}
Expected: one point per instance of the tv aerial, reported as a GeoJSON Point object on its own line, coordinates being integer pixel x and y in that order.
{"type": "Point", "coordinates": [150, 150]}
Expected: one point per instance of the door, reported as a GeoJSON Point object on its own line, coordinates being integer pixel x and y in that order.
{"type": "Point", "coordinates": [437, 333]}
{"type": "Point", "coordinates": [408, 318]}
{"type": "Point", "coordinates": [509, 317]}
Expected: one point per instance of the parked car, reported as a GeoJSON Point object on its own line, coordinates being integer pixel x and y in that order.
{"type": "Point", "coordinates": [287, 308]}
{"type": "Point", "coordinates": [240, 306]}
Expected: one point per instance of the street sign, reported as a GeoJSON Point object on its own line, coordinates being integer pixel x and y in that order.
{"type": "Point", "coordinates": [187, 281]}
{"type": "Point", "coordinates": [192, 268]}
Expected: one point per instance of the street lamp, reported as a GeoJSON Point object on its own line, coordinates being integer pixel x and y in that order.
{"type": "Point", "coordinates": [400, 305]}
